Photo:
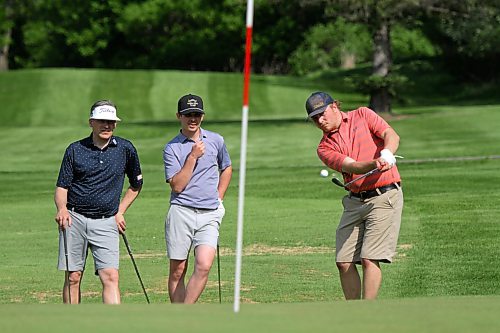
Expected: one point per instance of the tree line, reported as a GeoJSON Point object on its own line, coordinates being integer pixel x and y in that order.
{"type": "Point", "coordinates": [290, 36]}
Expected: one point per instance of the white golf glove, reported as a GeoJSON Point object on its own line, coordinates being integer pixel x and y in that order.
{"type": "Point", "coordinates": [388, 156]}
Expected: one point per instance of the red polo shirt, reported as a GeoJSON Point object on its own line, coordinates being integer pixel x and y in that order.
{"type": "Point", "coordinates": [359, 137]}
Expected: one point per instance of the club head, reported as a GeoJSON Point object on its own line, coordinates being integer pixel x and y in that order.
{"type": "Point", "coordinates": [337, 182]}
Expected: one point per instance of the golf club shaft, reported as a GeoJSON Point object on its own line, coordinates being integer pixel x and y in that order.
{"type": "Point", "coordinates": [67, 263]}
{"type": "Point", "coordinates": [361, 177]}
{"type": "Point", "coordinates": [135, 266]}
{"type": "Point", "coordinates": [218, 272]}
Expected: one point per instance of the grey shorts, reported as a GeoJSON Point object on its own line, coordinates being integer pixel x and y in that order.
{"type": "Point", "coordinates": [100, 235]}
{"type": "Point", "coordinates": [187, 227]}
{"type": "Point", "coordinates": [369, 228]}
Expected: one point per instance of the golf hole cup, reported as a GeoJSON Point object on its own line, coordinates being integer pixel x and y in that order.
{"type": "Point", "coordinates": [323, 173]}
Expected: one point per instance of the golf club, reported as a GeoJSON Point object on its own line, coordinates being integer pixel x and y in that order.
{"type": "Point", "coordinates": [135, 266]}
{"type": "Point", "coordinates": [339, 183]}
{"type": "Point", "coordinates": [218, 272]}
{"type": "Point", "coordinates": [67, 263]}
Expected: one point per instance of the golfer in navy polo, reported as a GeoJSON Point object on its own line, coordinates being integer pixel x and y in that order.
{"type": "Point", "coordinates": [198, 169]}
{"type": "Point", "coordinates": [87, 197]}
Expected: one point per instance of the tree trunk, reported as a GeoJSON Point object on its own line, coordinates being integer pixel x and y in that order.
{"type": "Point", "coordinates": [347, 59]}
{"type": "Point", "coordinates": [4, 47]}
{"type": "Point", "coordinates": [380, 98]}
{"type": "Point", "coordinates": [4, 52]}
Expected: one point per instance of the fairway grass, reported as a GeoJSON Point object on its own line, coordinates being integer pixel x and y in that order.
{"type": "Point", "coordinates": [445, 277]}
{"type": "Point", "coordinates": [429, 315]}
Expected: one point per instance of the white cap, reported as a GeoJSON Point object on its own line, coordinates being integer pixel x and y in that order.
{"type": "Point", "coordinates": [104, 112]}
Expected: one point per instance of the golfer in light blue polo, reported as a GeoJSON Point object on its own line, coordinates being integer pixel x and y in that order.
{"type": "Point", "coordinates": [198, 169]}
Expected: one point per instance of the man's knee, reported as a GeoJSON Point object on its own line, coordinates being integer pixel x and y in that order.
{"type": "Point", "coordinates": [177, 269]}
{"type": "Point", "coordinates": [203, 267]}
{"type": "Point", "coordinates": [344, 267]}
{"type": "Point", "coordinates": [367, 263]}
{"type": "Point", "coordinates": [75, 277]}
{"type": "Point", "coordinates": [109, 276]}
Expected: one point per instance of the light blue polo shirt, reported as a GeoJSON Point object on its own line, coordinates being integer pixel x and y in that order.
{"type": "Point", "coordinates": [201, 191]}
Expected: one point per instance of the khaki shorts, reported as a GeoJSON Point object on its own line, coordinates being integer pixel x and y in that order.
{"type": "Point", "coordinates": [101, 235]}
{"type": "Point", "coordinates": [187, 227]}
{"type": "Point", "coordinates": [369, 228]}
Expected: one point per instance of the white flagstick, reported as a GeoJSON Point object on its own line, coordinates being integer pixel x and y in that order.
{"type": "Point", "coordinates": [243, 156]}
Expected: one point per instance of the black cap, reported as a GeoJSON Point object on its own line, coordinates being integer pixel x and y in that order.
{"type": "Point", "coordinates": [317, 103]}
{"type": "Point", "coordinates": [190, 103]}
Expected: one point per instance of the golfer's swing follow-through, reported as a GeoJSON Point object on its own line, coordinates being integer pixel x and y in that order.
{"type": "Point", "coordinates": [361, 145]}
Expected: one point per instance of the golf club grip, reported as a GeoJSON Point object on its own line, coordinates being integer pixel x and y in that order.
{"type": "Point", "coordinates": [135, 265]}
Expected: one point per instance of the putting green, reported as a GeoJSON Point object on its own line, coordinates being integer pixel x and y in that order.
{"type": "Point", "coordinates": [451, 314]}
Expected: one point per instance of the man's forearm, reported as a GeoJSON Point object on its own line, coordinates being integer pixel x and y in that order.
{"type": "Point", "coordinates": [224, 180]}
{"type": "Point", "coordinates": [391, 140]}
{"type": "Point", "coordinates": [129, 197]}
{"type": "Point", "coordinates": [181, 179]}
{"type": "Point", "coordinates": [61, 198]}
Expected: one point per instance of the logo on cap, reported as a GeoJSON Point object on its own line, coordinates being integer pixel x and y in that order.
{"type": "Point", "coordinates": [104, 112]}
{"type": "Point", "coordinates": [192, 102]}
{"type": "Point", "coordinates": [317, 103]}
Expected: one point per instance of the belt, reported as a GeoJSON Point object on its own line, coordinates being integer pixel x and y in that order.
{"type": "Point", "coordinates": [87, 215]}
{"type": "Point", "coordinates": [373, 193]}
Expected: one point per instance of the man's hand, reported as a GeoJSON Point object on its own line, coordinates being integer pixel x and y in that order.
{"type": "Point", "coordinates": [63, 218]}
{"type": "Point", "coordinates": [382, 164]}
{"type": "Point", "coordinates": [198, 149]}
{"type": "Point", "coordinates": [388, 156]}
{"type": "Point", "coordinates": [120, 222]}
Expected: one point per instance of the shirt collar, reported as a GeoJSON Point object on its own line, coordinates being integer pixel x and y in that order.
{"type": "Point", "coordinates": [184, 138]}
{"type": "Point", "coordinates": [90, 143]}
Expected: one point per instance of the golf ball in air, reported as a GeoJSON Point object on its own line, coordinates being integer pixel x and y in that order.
{"type": "Point", "coordinates": [323, 173]}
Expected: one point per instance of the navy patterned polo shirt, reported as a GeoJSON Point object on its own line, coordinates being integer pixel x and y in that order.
{"type": "Point", "coordinates": [94, 177]}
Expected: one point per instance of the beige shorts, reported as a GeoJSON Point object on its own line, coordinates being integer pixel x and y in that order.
{"type": "Point", "coordinates": [369, 228]}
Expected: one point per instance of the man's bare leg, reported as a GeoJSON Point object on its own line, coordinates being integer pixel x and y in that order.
{"type": "Point", "coordinates": [372, 278]}
{"type": "Point", "coordinates": [176, 287]}
{"type": "Point", "coordinates": [350, 280]}
{"type": "Point", "coordinates": [110, 290]}
{"type": "Point", "coordinates": [74, 281]}
{"type": "Point", "coordinates": [204, 256]}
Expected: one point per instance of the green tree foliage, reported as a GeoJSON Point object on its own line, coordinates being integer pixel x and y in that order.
{"type": "Point", "coordinates": [379, 16]}
{"type": "Point", "coordinates": [469, 34]}
{"type": "Point", "coordinates": [325, 45]}
{"type": "Point", "coordinates": [411, 43]}
{"type": "Point", "coordinates": [69, 33]}
{"type": "Point", "coordinates": [280, 26]}
{"type": "Point", "coordinates": [196, 34]}
{"type": "Point", "coordinates": [289, 36]}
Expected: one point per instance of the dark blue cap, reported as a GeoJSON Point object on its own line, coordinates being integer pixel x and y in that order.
{"type": "Point", "coordinates": [317, 103]}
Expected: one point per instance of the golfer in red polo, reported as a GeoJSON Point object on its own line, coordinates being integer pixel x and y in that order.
{"type": "Point", "coordinates": [355, 143]}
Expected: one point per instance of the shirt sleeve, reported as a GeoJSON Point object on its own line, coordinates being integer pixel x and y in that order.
{"type": "Point", "coordinates": [65, 177]}
{"type": "Point", "coordinates": [330, 157]}
{"type": "Point", "coordinates": [133, 168]}
{"type": "Point", "coordinates": [170, 162]}
{"type": "Point", "coordinates": [376, 124]}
